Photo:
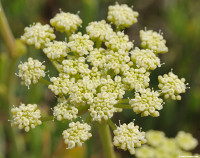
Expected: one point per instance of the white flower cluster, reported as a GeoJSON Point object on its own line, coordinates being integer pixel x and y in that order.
{"type": "Point", "coordinates": [31, 71]}
{"type": "Point", "coordinates": [153, 40]}
{"type": "Point", "coordinates": [66, 22]}
{"type": "Point", "coordinates": [137, 79]}
{"type": "Point", "coordinates": [61, 85]}
{"type": "Point", "coordinates": [26, 117]}
{"type": "Point", "coordinates": [145, 58]}
{"type": "Point", "coordinates": [122, 15]}
{"type": "Point", "coordinates": [97, 57]}
{"type": "Point", "coordinates": [161, 146]}
{"type": "Point", "coordinates": [63, 110]}
{"type": "Point", "coordinates": [80, 44]}
{"type": "Point", "coordinates": [99, 30]}
{"type": "Point", "coordinates": [76, 134]}
{"type": "Point", "coordinates": [171, 85]}
{"type": "Point", "coordinates": [147, 103]}
{"type": "Point", "coordinates": [128, 137]}
{"type": "Point", "coordinates": [38, 35]}
{"type": "Point", "coordinates": [56, 50]}
{"type": "Point", "coordinates": [117, 61]}
{"type": "Point", "coordinates": [118, 41]}
{"type": "Point", "coordinates": [186, 141]}
{"type": "Point", "coordinates": [75, 66]}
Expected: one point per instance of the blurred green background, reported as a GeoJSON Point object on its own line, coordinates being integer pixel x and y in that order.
{"type": "Point", "coordinates": [179, 20]}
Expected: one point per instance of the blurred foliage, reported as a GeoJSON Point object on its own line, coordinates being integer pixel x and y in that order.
{"type": "Point", "coordinates": [179, 20]}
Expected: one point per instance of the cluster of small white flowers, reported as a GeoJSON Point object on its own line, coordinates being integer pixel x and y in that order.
{"type": "Point", "coordinates": [38, 35]}
{"type": "Point", "coordinates": [154, 41]}
{"type": "Point", "coordinates": [56, 50]}
{"type": "Point", "coordinates": [26, 117]}
{"type": "Point", "coordinates": [97, 57]}
{"type": "Point", "coordinates": [76, 134]}
{"type": "Point", "coordinates": [145, 58]}
{"type": "Point", "coordinates": [127, 137]}
{"type": "Point", "coordinates": [83, 91]}
{"type": "Point", "coordinates": [118, 41]}
{"type": "Point", "coordinates": [171, 85]}
{"type": "Point", "coordinates": [158, 145]}
{"type": "Point", "coordinates": [137, 79]}
{"type": "Point", "coordinates": [155, 138]}
{"type": "Point", "coordinates": [63, 110]}
{"type": "Point", "coordinates": [147, 103]}
{"type": "Point", "coordinates": [116, 60]}
{"type": "Point", "coordinates": [61, 85]}
{"type": "Point", "coordinates": [75, 66]}
{"type": "Point", "coordinates": [102, 107]}
{"type": "Point", "coordinates": [31, 71]}
{"type": "Point", "coordinates": [186, 141]}
{"type": "Point", "coordinates": [122, 15]}
{"type": "Point", "coordinates": [99, 30]}
{"type": "Point", "coordinates": [66, 22]}
{"type": "Point", "coordinates": [80, 44]}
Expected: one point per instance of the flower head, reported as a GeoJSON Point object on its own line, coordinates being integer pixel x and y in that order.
{"type": "Point", "coordinates": [171, 85]}
{"type": "Point", "coordinates": [80, 44]}
{"type": "Point", "coordinates": [155, 138]}
{"type": "Point", "coordinates": [147, 102]}
{"type": "Point", "coordinates": [99, 30]}
{"type": "Point", "coordinates": [127, 137]}
{"type": "Point", "coordinates": [26, 116]}
{"type": "Point", "coordinates": [56, 50]}
{"type": "Point", "coordinates": [118, 41]}
{"type": "Point", "coordinates": [31, 71]}
{"type": "Point", "coordinates": [186, 141]}
{"type": "Point", "coordinates": [38, 35]}
{"type": "Point", "coordinates": [63, 110]}
{"type": "Point", "coordinates": [66, 22]}
{"type": "Point", "coordinates": [153, 40]}
{"type": "Point", "coordinates": [122, 16]}
{"type": "Point", "coordinates": [76, 134]}
{"type": "Point", "coordinates": [145, 58]}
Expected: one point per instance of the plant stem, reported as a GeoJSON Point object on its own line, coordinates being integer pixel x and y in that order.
{"type": "Point", "coordinates": [7, 34]}
{"type": "Point", "coordinates": [88, 118]}
{"type": "Point", "coordinates": [106, 140]}
{"type": "Point", "coordinates": [124, 101]}
{"type": "Point", "coordinates": [111, 124]}
{"type": "Point", "coordinates": [83, 109]}
{"type": "Point", "coordinates": [123, 106]}
{"type": "Point", "coordinates": [42, 80]}
{"type": "Point", "coordinates": [47, 118]}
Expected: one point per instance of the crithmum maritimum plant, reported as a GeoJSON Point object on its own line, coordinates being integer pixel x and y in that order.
{"type": "Point", "coordinates": [95, 70]}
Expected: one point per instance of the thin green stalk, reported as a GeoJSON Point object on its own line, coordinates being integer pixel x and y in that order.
{"type": "Point", "coordinates": [88, 118]}
{"type": "Point", "coordinates": [124, 101]}
{"type": "Point", "coordinates": [106, 140]}
{"type": "Point", "coordinates": [98, 44]}
{"type": "Point", "coordinates": [42, 80]}
{"type": "Point", "coordinates": [111, 124]}
{"type": "Point", "coordinates": [47, 118]}
{"type": "Point", "coordinates": [6, 33]}
{"type": "Point", "coordinates": [56, 65]}
{"type": "Point", "coordinates": [123, 106]}
{"type": "Point", "coordinates": [83, 109]}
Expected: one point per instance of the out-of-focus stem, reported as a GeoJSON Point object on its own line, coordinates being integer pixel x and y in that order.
{"type": "Point", "coordinates": [106, 140]}
{"type": "Point", "coordinates": [7, 34]}
{"type": "Point", "coordinates": [47, 118]}
{"type": "Point", "coordinates": [42, 80]}
{"type": "Point", "coordinates": [123, 106]}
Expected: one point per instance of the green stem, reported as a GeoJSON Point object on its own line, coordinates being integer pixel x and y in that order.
{"type": "Point", "coordinates": [7, 34]}
{"type": "Point", "coordinates": [124, 101]}
{"type": "Point", "coordinates": [88, 118]}
{"type": "Point", "coordinates": [56, 65]}
{"type": "Point", "coordinates": [123, 106]}
{"type": "Point", "coordinates": [98, 44]}
{"type": "Point", "coordinates": [111, 124]}
{"type": "Point", "coordinates": [42, 80]}
{"type": "Point", "coordinates": [47, 118]}
{"type": "Point", "coordinates": [83, 109]}
{"type": "Point", "coordinates": [106, 140]}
